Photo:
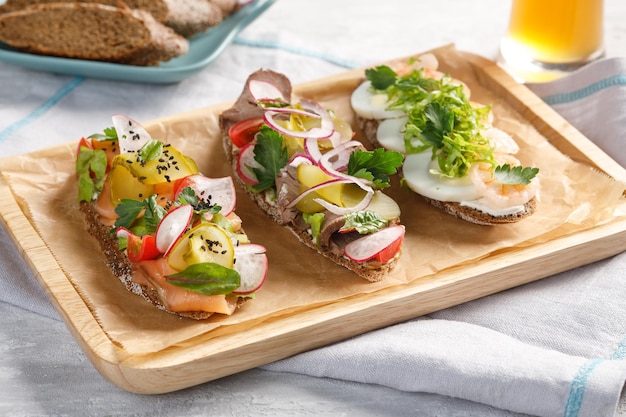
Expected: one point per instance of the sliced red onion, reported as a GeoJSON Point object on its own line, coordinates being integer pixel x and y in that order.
{"type": "Point", "coordinates": [299, 158]}
{"type": "Point", "coordinates": [316, 188]}
{"type": "Point", "coordinates": [291, 110]}
{"type": "Point", "coordinates": [264, 91]}
{"type": "Point", "coordinates": [342, 152]}
{"type": "Point", "coordinates": [131, 135]}
{"type": "Point", "coordinates": [309, 109]}
{"type": "Point", "coordinates": [328, 126]}
{"type": "Point", "coordinates": [335, 209]}
{"type": "Point", "coordinates": [313, 150]}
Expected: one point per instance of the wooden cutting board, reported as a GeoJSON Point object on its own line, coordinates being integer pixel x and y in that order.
{"type": "Point", "coordinates": [222, 352]}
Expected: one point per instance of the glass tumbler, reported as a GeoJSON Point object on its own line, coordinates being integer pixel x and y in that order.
{"type": "Point", "coordinates": [549, 38]}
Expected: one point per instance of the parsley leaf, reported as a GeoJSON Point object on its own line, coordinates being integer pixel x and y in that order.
{"type": "Point", "coordinates": [200, 206]}
{"type": "Point", "coordinates": [518, 175]}
{"type": "Point", "coordinates": [153, 214]}
{"type": "Point", "coordinates": [271, 155]}
{"type": "Point", "coordinates": [206, 278]}
{"type": "Point", "coordinates": [110, 134]}
{"type": "Point", "coordinates": [381, 77]}
{"type": "Point", "coordinates": [375, 166]}
{"type": "Point", "coordinates": [129, 210]}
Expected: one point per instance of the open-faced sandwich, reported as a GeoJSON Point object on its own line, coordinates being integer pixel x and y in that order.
{"type": "Point", "coordinates": [169, 233]}
{"type": "Point", "coordinates": [300, 164]}
{"type": "Point", "coordinates": [454, 157]}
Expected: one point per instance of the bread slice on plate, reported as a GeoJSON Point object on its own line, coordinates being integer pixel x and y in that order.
{"type": "Point", "coordinates": [298, 162]}
{"type": "Point", "coordinates": [92, 32]}
{"type": "Point", "coordinates": [186, 17]}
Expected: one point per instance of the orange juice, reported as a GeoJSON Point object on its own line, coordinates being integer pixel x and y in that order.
{"type": "Point", "coordinates": [556, 31]}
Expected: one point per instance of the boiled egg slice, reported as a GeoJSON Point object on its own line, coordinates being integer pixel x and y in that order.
{"type": "Point", "coordinates": [390, 134]}
{"type": "Point", "coordinates": [371, 105]}
{"type": "Point", "coordinates": [417, 174]}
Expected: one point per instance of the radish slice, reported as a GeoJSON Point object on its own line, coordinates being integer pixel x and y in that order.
{"type": "Point", "coordinates": [122, 232]}
{"type": "Point", "coordinates": [245, 163]}
{"type": "Point", "coordinates": [367, 247]}
{"type": "Point", "coordinates": [264, 91]}
{"type": "Point", "coordinates": [251, 263]}
{"type": "Point", "coordinates": [172, 227]}
{"type": "Point", "coordinates": [131, 135]}
{"type": "Point", "coordinates": [218, 191]}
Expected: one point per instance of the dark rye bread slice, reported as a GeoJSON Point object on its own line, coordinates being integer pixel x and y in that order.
{"type": "Point", "coordinates": [371, 270]}
{"type": "Point", "coordinates": [186, 17]}
{"type": "Point", "coordinates": [369, 128]}
{"type": "Point", "coordinates": [92, 32]}
{"type": "Point", "coordinates": [121, 267]}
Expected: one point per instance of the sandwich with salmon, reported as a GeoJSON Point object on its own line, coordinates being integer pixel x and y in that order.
{"type": "Point", "coordinates": [454, 156]}
{"type": "Point", "coordinates": [299, 162]}
{"type": "Point", "coordinates": [169, 233]}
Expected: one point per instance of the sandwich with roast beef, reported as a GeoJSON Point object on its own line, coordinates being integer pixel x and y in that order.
{"type": "Point", "coordinates": [301, 165]}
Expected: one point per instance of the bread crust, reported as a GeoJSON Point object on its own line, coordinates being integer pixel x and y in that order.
{"type": "Point", "coordinates": [122, 268]}
{"type": "Point", "coordinates": [369, 128]}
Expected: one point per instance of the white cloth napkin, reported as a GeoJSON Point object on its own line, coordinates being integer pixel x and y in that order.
{"type": "Point", "coordinates": [555, 347]}
{"type": "Point", "coordinates": [552, 348]}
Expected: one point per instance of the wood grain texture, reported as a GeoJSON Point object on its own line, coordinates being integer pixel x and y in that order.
{"type": "Point", "coordinates": [220, 353]}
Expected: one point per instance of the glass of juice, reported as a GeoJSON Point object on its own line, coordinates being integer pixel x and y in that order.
{"type": "Point", "coordinates": [549, 38]}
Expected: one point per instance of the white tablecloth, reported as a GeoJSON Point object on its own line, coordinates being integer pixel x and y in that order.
{"type": "Point", "coordinates": [555, 347]}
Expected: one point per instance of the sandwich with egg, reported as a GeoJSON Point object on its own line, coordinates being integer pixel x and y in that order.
{"type": "Point", "coordinates": [299, 163]}
{"type": "Point", "coordinates": [169, 233]}
{"type": "Point", "coordinates": [454, 156]}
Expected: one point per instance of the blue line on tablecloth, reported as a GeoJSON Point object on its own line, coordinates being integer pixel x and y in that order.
{"type": "Point", "coordinates": [562, 98]}
{"type": "Point", "coordinates": [294, 50]}
{"type": "Point", "coordinates": [620, 351]}
{"type": "Point", "coordinates": [578, 386]}
{"type": "Point", "coordinates": [42, 109]}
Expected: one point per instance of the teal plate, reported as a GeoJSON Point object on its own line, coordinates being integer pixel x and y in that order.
{"type": "Point", "coordinates": [203, 49]}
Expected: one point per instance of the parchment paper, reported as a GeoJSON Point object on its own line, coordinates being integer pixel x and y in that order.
{"type": "Point", "coordinates": [573, 197]}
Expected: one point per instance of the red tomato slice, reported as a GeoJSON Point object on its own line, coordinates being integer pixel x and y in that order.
{"type": "Point", "coordinates": [243, 132]}
{"type": "Point", "coordinates": [141, 248]}
{"type": "Point", "coordinates": [390, 251]}
{"type": "Point", "coordinates": [84, 142]}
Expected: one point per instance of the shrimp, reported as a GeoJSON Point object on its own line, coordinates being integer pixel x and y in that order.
{"type": "Point", "coordinates": [500, 141]}
{"type": "Point", "coordinates": [499, 195]}
{"type": "Point", "coordinates": [428, 62]}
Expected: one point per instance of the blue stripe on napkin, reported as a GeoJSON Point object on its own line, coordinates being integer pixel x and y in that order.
{"type": "Point", "coordinates": [616, 80]}
{"type": "Point", "coordinates": [41, 110]}
{"type": "Point", "coordinates": [578, 386]}
{"type": "Point", "coordinates": [620, 351]}
{"type": "Point", "coordinates": [298, 51]}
